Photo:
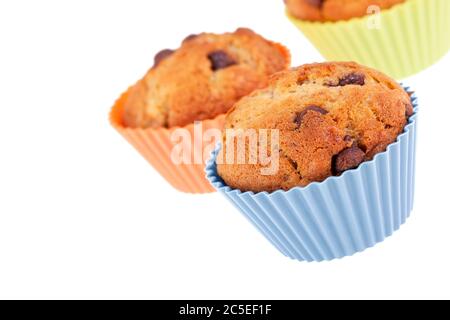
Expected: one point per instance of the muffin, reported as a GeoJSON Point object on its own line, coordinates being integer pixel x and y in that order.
{"type": "Point", "coordinates": [398, 37]}
{"type": "Point", "coordinates": [335, 10]}
{"type": "Point", "coordinates": [199, 82]}
{"type": "Point", "coordinates": [202, 79]}
{"type": "Point", "coordinates": [346, 173]}
{"type": "Point", "coordinates": [331, 117]}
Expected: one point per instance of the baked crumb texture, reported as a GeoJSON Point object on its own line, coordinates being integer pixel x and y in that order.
{"type": "Point", "coordinates": [203, 78]}
{"type": "Point", "coordinates": [335, 10]}
{"type": "Point", "coordinates": [331, 117]}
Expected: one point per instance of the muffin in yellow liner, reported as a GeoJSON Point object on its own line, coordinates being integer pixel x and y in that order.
{"type": "Point", "coordinates": [400, 41]}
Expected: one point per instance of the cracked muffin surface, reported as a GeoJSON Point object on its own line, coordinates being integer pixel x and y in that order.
{"type": "Point", "coordinates": [335, 10]}
{"type": "Point", "coordinates": [203, 78]}
{"type": "Point", "coordinates": [331, 117]}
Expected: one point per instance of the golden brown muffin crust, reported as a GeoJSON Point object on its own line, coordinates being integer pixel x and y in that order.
{"type": "Point", "coordinates": [203, 78]}
{"type": "Point", "coordinates": [335, 10]}
{"type": "Point", "coordinates": [330, 117]}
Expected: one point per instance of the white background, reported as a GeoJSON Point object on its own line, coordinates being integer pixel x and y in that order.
{"type": "Point", "coordinates": [82, 215]}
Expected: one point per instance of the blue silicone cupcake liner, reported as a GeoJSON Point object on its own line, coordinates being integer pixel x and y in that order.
{"type": "Point", "coordinates": [341, 215]}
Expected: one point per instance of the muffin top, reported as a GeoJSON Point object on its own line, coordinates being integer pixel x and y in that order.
{"type": "Point", "coordinates": [202, 79]}
{"type": "Point", "coordinates": [330, 118]}
{"type": "Point", "coordinates": [335, 10]}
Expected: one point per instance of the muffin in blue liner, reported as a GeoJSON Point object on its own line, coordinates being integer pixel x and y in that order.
{"type": "Point", "coordinates": [341, 215]}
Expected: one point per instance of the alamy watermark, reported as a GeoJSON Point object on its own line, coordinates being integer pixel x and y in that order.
{"type": "Point", "coordinates": [374, 20]}
{"type": "Point", "coordinates": [240, 146]}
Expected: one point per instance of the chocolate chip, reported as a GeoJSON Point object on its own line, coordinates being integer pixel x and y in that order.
{"type": "Point", "coordinates": [190, 37]}
{"type": "Point", "coordinates": [160, 56]}
{"type": "Point", "coordinates": [315, 3]}
{"type": "Point", "coordinates": [220, 60]}
{"type": "Point", "coordinates": [352, 78]}
{"type": "Point", "coordinates": [293, 163]}
{"type": "Point", "coordinates": [348, 159]}
{"type": "Point", "coordinates": [300, 115]}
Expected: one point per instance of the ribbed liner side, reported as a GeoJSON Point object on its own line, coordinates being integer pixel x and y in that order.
{"type": "Point", "coordinates": [340, 216]}
{"type": "Point", "coordinates": [156, 146]}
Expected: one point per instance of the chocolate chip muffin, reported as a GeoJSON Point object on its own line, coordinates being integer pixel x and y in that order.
{"type": "Point", "coordinates": [331, 117]}
{"type": "Point", "coordinates": [335, 10]}
{"type": "Point", "coordinates": [202, 79]}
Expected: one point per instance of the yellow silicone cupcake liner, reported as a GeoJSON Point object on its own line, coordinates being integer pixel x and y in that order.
{"type": "Point", "coordinates": [408, 38]}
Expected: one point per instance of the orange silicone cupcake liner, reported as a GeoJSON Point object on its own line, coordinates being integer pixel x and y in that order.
{"type": "Point", "coordinates": [155, 145]}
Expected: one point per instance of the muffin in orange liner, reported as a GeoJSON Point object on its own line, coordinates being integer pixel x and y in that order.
{"type": "Point", "coordinates": [209, 57]}
{"type": "Point", "coordinates": [156, 146]}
